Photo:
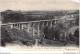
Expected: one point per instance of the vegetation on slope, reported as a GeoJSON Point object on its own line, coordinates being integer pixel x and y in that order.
{"type": "Point", "coordinates": [10, 35]}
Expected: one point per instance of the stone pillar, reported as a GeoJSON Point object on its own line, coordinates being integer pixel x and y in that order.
{"type": "Point", "coordinates": [47, 23]}
{"type": "Point", "coordinates": [43, 24]}
{"type": "Point", "coordinates": [42, 30]}
{"type": "Point", "coordinates": [38, 29]}
{"type": "Point", "coordinates": [19, 26]}
{"type": "Point", "coordinates": [11, 26]}
{"type": "Point", "coordinates": [33, 29]}
{"type": "Point", "coordinates": [14, 25]}
{"type": "Point", "coordinates": [55, 21]}
{"type": "Point", "coordinates": [36, 42]}
{"type": "Point", "coordinates": [28, 27]}
{"type": "Point", "coordinates": [22, 26]}
{"type": "Point", "coordinates": [51, 23]}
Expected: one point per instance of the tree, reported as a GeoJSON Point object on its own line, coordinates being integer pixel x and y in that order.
{"type": "Point", "coordinates": [10, 16]}
{"type": "Point", "coordinates": [76, 35]}
{"type": "Point", "coordinates": [52, 32]}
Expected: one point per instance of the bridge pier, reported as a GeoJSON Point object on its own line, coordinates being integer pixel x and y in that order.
{"type": "Point", "coordinates": [55, 22]}
{"type": "Point", "coordinates": [28, 27]}
{"type": "Point", "coordinates": [51, 23]}
{"type": "Point", "coordinates": [21, 26]}
{"type": "Point", "coordinates": [11, 26]}
{"type": "Point", "coordinates": [33, 29]}
{"type": "Point", "coordinates": [38, 29]}
{"type": "Point", "coordinates": [47, 23]}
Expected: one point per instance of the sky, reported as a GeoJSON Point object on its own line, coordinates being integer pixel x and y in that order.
{"type": "Point", "coordinates": [30, 5]}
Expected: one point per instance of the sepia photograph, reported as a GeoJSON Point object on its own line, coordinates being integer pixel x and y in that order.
{"type": "Point", "coordinates": [39, 25]}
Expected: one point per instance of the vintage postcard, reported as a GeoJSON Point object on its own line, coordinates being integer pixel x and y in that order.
{"type": "Point", "coordinates": [39, 25]}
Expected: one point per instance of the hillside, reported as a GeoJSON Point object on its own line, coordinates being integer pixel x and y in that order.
{"type": "Point", "coordinates": [23, 16]}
